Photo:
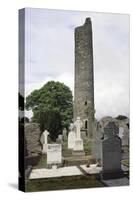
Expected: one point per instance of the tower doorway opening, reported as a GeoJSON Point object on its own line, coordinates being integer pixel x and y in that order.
{"type": "Point", "coordinates": [86, 124]}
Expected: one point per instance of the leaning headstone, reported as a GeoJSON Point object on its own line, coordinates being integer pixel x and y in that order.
{"type": "Point", "coordinates": [54, 156]}
{"type": "Point", "coordinates": [111, 152]}
{"type": "Point", "coordinates": [44, 141]}
{"type": "Point", "coordinates": [78, 146]}
{"type": "Point", "coordinates": [71, 137]}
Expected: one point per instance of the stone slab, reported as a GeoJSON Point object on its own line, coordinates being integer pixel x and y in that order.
{"type": "Point", "coordinates": [93, 169]}
{"type": "Point", "coordinates": [116, 182]}
{"type": "Point", "coordinates": [55, 172]}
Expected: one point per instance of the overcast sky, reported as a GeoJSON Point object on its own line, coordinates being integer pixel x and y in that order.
{"type": "Point", "coordinates": [49, 55]}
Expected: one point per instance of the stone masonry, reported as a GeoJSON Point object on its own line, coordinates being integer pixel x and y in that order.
{"type": "Point", "coordinates": [84, 80]}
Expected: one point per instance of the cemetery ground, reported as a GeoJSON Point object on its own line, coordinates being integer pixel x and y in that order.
{"type": "Point", "coordinates": [69, 182]}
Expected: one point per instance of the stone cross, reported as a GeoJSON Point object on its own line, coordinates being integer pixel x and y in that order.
{"type": "Point", "coordinates": [78, 124]}
{"type": "Point", "coordinates": [44, 141]}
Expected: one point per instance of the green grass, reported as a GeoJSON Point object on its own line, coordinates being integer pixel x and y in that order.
{"type": "Point", "coordinates": [74, 182]}
{"type": "Point", "coordinates": [125, 162]}
{"type": "Point", "coordinates": [65, 153]}
{"type": "Point", "coordinates": [71, 182]}
{"type": "Point", "coordinates": [42, 163]}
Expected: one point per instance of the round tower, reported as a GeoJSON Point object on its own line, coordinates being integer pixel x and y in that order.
{"type": "Point", "coordinates": [84, 79]}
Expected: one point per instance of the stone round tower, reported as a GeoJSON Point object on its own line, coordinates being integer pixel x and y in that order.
{"type": "Point", "coordinates": [84, 79]}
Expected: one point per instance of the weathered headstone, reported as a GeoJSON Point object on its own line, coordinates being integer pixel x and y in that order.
{"type": "Point", "coordinates": [71, 137]}
{"type": "Point", "coordinates": [124, 134]}
{"type": "Point", "coordinates": [59, 139]}
{"type": "Point", "coordinates": [96, 144]}
{"type": "Point", "coordinates": [44, 141]}
{"type": "Point", "coordinates": [111, 152]}
{"type": "Point", "coordinates": [111, 129]}
{"type": "Point", "coordinates": [54, 155]}
{"type": "Point", "coordinates": [121, 132]}
{"type": "Point", "coordinates": [64, 134]}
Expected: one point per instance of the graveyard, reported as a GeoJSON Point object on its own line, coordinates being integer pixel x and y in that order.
{"type": "Point", "coordinates": [84, 152]}
{"type": "Point", "coordinates": [59, 168]}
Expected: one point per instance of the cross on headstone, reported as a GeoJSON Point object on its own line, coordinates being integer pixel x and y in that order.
{"type": "Point", "coordinates": [78, 124]}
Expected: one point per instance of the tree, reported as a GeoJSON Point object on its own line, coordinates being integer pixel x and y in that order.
{"type": "Point", "coordinates": [121, 117]}
{"type": "Point", "coordinates": [51, 106]}
{"type": "Point", "coordinates": [51, 120]}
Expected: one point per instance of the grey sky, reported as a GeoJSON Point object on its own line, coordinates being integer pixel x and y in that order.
{"type": "Point", "coordinates": [50, 54]}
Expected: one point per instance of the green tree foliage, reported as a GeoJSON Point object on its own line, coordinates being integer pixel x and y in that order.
{"type": "Point", "coordinates": [121, 117]}
{"type": "Point", "coordinates": [51, 106]}
{"type": "Point", "coordinates": [51, 120]}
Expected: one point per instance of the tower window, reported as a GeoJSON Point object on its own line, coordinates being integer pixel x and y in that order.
{"type": "Point", "coordinates": [86, 125]}
{"type": "Point", "coordinates": [85, 103]}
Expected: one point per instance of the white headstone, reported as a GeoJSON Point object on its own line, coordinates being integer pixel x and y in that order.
{"type": "Point", "coordinates": [60, 137]}
{"type": "Point", "coordinates": [121, 132]}
{"type": "Point", "coordinates": [78, 124]}
{"type": "Point", "coordinates": [54, 155]}
{"type": "Point", "coordinates": [78, 146]}
{"type": "Point", "coordinates": [71, 137]}
{"type": "Point", "coordinates": [124, 134]}
{"type": "Point", "coordinates": [44, 141]}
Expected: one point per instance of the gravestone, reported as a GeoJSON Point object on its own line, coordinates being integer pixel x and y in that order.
{"type": "Point", "coordinates": [121, 132]}
{"type": "Point", "coordinates": [96, 144]}
{"type": "Point", "coordinates": [125, 135]}
{"type": "Point", "coordinates": [44, 141]}
{"type": "Point", "coordinates": [111, 152]}
{"type": "Point", "coordinates": [54, 156]}
{"type": "Point", "coordinates": [111, 129]}
{"type": "Point", "coordinates": [78, 146]}
{"type": "Point", "coordinates": [64, 134]}
{"type": "Point", "coordinates": [59, 139]}
{"type": "Point", "coordinates": [71, 137]}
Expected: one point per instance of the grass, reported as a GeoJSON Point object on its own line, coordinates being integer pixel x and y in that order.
{"type": "Point", "coordinates": [61, 183]}
{"type": "Point", "coordinates": [42, 163]}
{"type": "Point", "coordinates": [65, 153]}
{"type": "Point", "coordinates": [73, 182]}
{"type": "Point", "coordinates": [125, 162]}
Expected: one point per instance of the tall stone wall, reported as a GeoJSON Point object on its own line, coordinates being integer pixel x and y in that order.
{"type": "Point", "coordinates": [84, 81]}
